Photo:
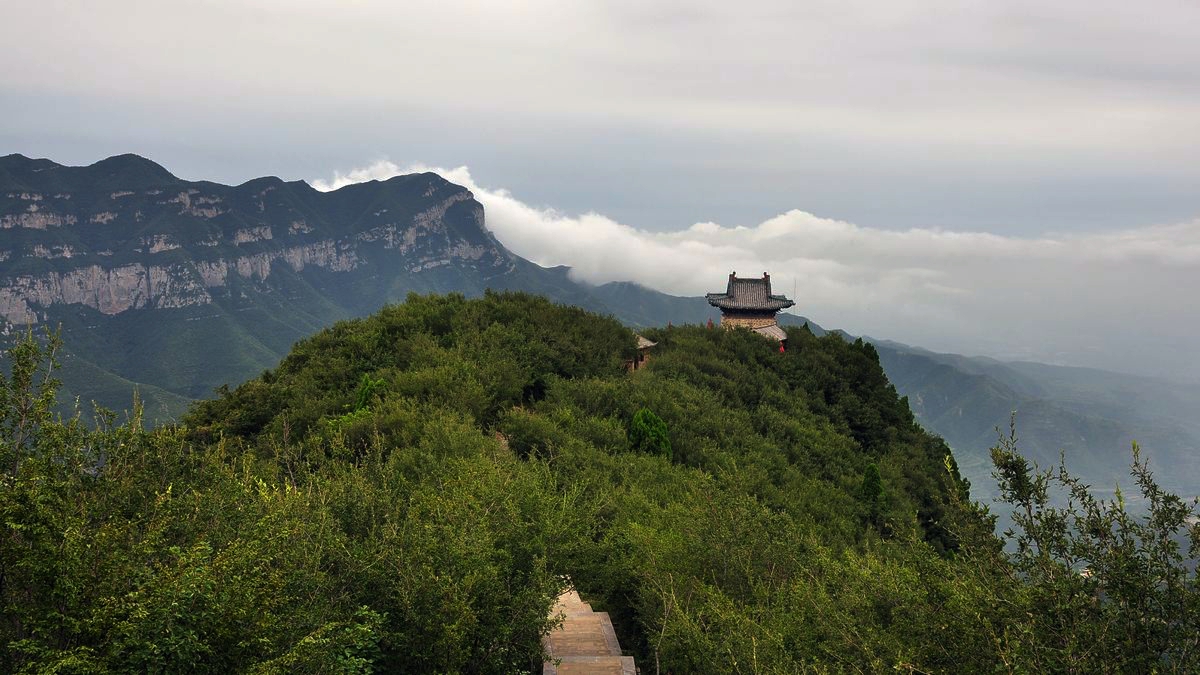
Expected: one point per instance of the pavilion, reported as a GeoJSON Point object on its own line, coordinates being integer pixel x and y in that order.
{"type": "Point", "coordinates": [749, 303]}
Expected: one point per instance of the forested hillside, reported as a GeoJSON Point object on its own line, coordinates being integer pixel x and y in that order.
{"type": "Point", "coordinates": [177, 287]}
{"type": "Point", "coordinates": [1090, 416]}
{"type": "Point", "coordinates": [407, 492]}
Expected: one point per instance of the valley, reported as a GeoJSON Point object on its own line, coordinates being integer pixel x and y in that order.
{"type": "Point", "coordinates": [179, 288]}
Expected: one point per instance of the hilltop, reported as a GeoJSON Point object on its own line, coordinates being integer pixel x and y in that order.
{"type": "Point", "coordinates": [410, 488]}
{"type": "Point", "coordinates": [183, 286]}
{"type": "Point", "coordinates": [177, 287]}
{"type": "Point", "coordinates": [409, 491]}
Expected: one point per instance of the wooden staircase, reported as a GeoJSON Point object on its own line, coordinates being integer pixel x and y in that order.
{"type": "Point", "coordinates": [585, 643]}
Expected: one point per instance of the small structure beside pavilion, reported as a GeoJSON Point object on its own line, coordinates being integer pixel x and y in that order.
{"type": "Point", "coordinates": [749, 303]}
{"type": "Point", "coordinates": [643, 354]}
{"type": "Point", "coordinates": [774, 332]}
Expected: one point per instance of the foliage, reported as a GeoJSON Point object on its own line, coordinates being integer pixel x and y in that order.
{"type": "Point", "coordinates": [27, 396]}
{"type": "Point", "coordinates": [648, 433]}
{"type": "Point", "coordinates": [872, 485]}
{"type": "Point", "coordinates": [368, 387]}
{"type": "Point", "coordinates": [408, 492]}
{"type": "Point", "coordinates": [871, 494]}
{"type": "Point", "coordinates": [1105, 580]}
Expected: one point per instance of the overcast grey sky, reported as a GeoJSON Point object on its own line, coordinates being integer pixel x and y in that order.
{"type": "Point", "coordinates": [1062, 133]}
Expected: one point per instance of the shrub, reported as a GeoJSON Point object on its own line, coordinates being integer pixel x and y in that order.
{"type": "Point", "coordinates": [648, 433]}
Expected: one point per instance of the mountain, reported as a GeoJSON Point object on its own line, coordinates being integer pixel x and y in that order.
{"type": "Point", "coordinates": [179, 287]}
{"type": "Point", "coordinates": [1090, 416]}
{"type": "Point", "coordinates": [182, 286]}
{"type": "Point", "coordinates": [411, 491]}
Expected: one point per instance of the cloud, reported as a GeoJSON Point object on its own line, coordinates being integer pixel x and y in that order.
{"type": "Point", "coordinates": [968, 114]}
{"type": "Point", "coordinates": [1080, 298]}
{"type": "Point", "coordinates": [379, 170]}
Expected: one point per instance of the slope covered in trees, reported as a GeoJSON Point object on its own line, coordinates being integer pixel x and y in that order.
{"type": "Point", "coordinates": [1089, 415]}
{"type": "Point", "coordinates": [407, 492]}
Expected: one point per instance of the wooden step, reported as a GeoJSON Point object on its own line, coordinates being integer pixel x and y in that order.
{"type": "Point", "coordinates": [610, 634]}
{"type": "Point", "coordinates": [585, 642]}
{"type": "Point", "coordinates": [590, 665]}
{"type": "Point", "coordinates": [588, 635]}
{"type": "Point", "coordinates": [571, 602]}
{"type": "Point", "coordinates": [570, 596]}
{"type": "Point", "coordinates": [582, 609]}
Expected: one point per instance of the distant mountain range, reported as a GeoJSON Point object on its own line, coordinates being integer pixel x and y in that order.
{"type": "Point", "coordinates": [178, 287]}
{"type": "Point", "coordinates": [1091, 415]}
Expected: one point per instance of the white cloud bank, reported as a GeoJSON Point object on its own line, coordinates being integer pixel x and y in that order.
{"type": "Point", "coordinates": [1122, 300]}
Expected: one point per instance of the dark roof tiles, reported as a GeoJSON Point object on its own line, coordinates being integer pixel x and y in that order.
{"type": "Point", "coordinates": [748, 294]}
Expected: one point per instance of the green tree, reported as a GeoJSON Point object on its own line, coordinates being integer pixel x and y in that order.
{"type": "Point", "coordinates": [648, 433]}
{"type": "Point", "coordinates": [368, 388]}
{"type": "Point", "coordinates": [871, 494]}
{"type": "Point", "coordinates": [27, 395]}
{"type": "Point", "coordinates": [1106, 582]}
{"type": "Point", "coordinates": [407, 491]}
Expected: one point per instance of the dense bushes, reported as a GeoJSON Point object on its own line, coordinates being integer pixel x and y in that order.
{"type": "Point", "coordinates": [407, 492]}
{"type": "Point", "coordinates": [648, 433]}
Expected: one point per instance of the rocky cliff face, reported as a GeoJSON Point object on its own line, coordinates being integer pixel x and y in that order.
{"type": "Point", "coordinates": [125, 234]}
{"type": "Point", "coordinates": [178, 287]}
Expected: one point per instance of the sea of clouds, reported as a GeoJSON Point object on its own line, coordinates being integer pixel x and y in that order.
{"type": "Point", "coordinates": [1116, 299]}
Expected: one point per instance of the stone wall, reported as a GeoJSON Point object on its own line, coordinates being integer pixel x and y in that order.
{"type": "Point", "coordinates": [750, 322]}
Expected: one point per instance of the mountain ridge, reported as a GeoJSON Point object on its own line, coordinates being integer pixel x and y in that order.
{"type": "Point", "coordinates": [1093, 421]}
{"type": "Point", "coordinates": [162, 242]}
{"type": "Point", "coordinates": [179, 287]}
{"type": "Point", "coordinates": [185, 286]}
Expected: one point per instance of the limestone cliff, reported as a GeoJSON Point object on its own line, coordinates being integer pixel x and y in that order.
{"type": "Point", "coordinates": [125, 234]}
{"type": "Point", "coordinates": [179, 287]}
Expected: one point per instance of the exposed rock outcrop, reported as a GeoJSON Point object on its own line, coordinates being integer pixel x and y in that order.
{"type": "Point", "coordinates": [159, 242]}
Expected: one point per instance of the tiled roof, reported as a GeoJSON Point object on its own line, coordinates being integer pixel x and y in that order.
{"type": "Point", "coordinates": [748, 294]}
{"type": "Point", "coordinates": [773, 331]}
{"type": "Point", "coordinates": [643, 343]}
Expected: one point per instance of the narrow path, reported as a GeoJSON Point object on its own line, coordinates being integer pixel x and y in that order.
{"type": "Point", "coordinates": [585, 643]}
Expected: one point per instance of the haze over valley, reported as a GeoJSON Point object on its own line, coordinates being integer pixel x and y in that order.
{"type": "Point", "coordinates": [137, 264]}
{"type": "Point", "coordinates": [1011, 181]}
{"type": "Point", "coordinates": [603, 336]}
{"type": "Point", "coordinates": [1107, 299]}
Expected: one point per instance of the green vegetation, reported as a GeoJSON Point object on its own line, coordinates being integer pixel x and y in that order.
{"type": "Point", "coordinates": [1091, 416]}
{"type": "Point", "coordinates": [407, 492]}
{"type": "Point", "coordinates": [648, 433]}
{"type": "Point", "coordinates": [872, 496]}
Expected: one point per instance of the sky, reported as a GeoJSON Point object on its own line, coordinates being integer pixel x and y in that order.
{"type": "Point", "coordinates": [1015, 179]}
